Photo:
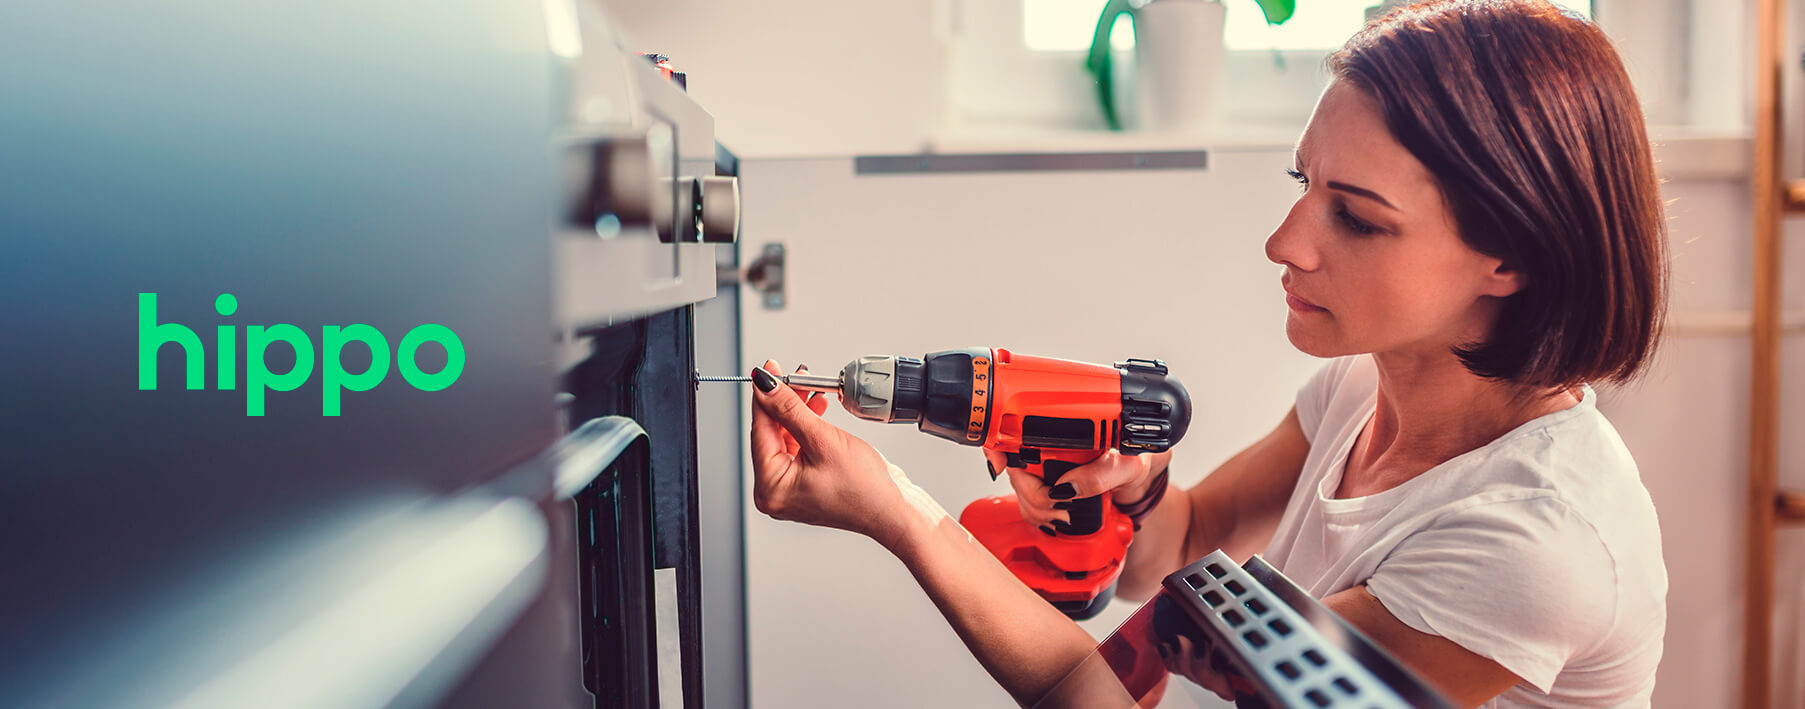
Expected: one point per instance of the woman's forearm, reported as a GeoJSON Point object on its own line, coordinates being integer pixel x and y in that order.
{"type": "Point", "coordinates": [1235, 508]}
{"type": "Point", "coordinates": [1158, 548]}
{"type": "Point", "coordinates": [1021, 640]}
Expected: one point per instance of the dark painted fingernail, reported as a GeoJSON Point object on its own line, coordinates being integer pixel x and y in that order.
{"type": "Point", "coordinates": [801, 367]}
{"type": "Point", "coordinates": [1061, 527]}
{"type": "Point", "coordinates": [1063, 491]}
{"type": "Point", "coordinates": [993, 470]}
{"type": "Point", "coordinates": [763, 380]}
{"type": "Point", "coordinates": [1062, 505]}
{"type": "Point", "coordinates": [1048, 530]}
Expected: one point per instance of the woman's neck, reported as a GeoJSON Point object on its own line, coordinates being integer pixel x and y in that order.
{"type": "Point", "coordinates": [1430, 409]}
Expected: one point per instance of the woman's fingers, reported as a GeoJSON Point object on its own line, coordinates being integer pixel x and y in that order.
{"type": "Point", "coordinates": [995, 461]}
{"type": "Point", "coordinates": [1031, 496]}
{"type": "Point", "coordinates": [1045, 506]}
{"type": "Point", "coordinates": [768, 439]}
{"type": "Point", "coordinates": [768, 436]}
{"type": "Point", "coordinates": [1173, 656]}
{"type": "Point", "coordinates": [773, 457]}
{"type": "Point", "coordinates": [1028, 487]}
{"type": "Point", "coordinates": [815, 403]}
{"type": "Point", "coordinates": [1030, 493]}
{"type": "Point", "coordinates": [787, 408]}
{"type": "Point", "coordinates": [761, 403]}
{"type": "Point", "coordinates": [1190, 662]}
{"type": "Point", "coordinates": [1106, 473]}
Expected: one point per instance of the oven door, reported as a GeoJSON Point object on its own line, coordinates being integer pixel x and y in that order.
{"type": "Point", "coordinates": [1247, 631]}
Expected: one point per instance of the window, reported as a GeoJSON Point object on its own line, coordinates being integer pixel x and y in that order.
{"type": "Point", "coordinates": [1067, 25]}
{"type": "Point", "coordinates": [1015, 76]}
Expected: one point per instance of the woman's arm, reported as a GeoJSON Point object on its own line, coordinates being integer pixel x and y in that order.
{"type": "Point", "coordinates": [807, 470]}
{"type": "Point", "coordinates": [1236, 508]}
{"type": "Point", "coordinates": [1466, 678]}
{"type": "Point", "coordinates": [1021, 640]}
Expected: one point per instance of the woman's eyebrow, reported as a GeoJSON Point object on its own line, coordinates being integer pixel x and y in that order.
{"type": "Point", "coordinates": [1363, 192]}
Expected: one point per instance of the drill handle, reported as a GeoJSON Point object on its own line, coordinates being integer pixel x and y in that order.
{"type": "Point", "coordinates": [1086, 512]}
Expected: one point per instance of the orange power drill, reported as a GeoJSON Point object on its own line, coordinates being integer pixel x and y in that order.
{"type": "Point", "coordinates": [1046, 415]}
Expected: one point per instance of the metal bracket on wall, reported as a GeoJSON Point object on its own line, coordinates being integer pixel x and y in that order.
{"type": "Point", "coordinates": [764, 275]}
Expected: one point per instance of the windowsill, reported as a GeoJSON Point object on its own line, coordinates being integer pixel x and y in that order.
{"type": "Point", "coordinates": [1680, 152]}
{"type": "Point", "coordinates": [1074, 140]}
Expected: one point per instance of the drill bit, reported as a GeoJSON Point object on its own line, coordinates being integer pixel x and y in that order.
{"type": "Point", "coordinates": [801, 381]}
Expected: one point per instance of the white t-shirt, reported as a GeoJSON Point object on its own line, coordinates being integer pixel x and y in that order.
{"type": "Point", "coordinates": [1538, 550]}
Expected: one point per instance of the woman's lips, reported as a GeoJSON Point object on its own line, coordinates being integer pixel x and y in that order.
{"type": "Point", "coordinates": [1301, 305]}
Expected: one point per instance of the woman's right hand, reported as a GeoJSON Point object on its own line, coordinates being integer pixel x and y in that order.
{"type": "Point", "coordinates": [1127, 476]}
{"type": "Point", "coordinates": [807, 470]}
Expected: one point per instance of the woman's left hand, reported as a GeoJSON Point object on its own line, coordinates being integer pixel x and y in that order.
{"type": "Point", "coordinates": [807, 470]}
{"type": "Point", "coordinates": [1187, 660]}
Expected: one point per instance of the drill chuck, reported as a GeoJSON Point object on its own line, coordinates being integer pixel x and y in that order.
{"type": "Point", "coordinates": [883, 388]}
{"type": "Point", "coordinates": [935, 392]}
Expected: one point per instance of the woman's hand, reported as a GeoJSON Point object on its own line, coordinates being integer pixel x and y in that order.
{"type": "Point", "coordinates": [807, 470]}
{"type": "Point", "coordinates": [1128, 476]}
{"type": "Point", "coordinates": [1187, 660]}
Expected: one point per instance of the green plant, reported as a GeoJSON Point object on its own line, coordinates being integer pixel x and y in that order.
{"type": "Point", "coordinates": [1099, 64]}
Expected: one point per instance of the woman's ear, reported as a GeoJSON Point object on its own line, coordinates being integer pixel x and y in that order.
{"type": "Point", "coordinates": [1503, 281]}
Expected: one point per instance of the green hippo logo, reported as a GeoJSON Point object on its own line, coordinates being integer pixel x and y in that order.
{"type": "Point", "coordinates": [258, 380]}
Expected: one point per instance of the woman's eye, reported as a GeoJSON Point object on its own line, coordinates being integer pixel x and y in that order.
{"type": "Point", "coordinates": [1299, 177]}
{"type": "Point", "coordinates": [1354, 223]}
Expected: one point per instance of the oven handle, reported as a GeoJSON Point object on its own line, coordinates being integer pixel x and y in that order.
{"type": "Point", "coordinates": [577, 459]}
{"type": "Point", "coordinates": [573, 462]}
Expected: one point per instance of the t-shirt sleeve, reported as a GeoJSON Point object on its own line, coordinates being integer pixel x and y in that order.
{"type": "Point", "coordinates": [1314, 396]}
{"type": "Point", "coordinates": [1525, 583]}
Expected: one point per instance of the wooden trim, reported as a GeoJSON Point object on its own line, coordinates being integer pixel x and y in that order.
{"type": "Point", "coordinates": [1769, 205]}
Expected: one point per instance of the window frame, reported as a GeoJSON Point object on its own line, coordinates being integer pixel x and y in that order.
{"type": "Point", "coordinates": [995, 83]}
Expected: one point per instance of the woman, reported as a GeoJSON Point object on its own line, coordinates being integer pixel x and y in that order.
{"type": "Point", "coordinates": [1479, 236]}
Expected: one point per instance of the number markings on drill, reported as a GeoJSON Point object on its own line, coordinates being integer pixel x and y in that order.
{"type": "Point", "coordinates": [980, 397]}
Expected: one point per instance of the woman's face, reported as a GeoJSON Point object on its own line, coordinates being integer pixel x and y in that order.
{"type": "Point", "coordinates": [1372, 260]}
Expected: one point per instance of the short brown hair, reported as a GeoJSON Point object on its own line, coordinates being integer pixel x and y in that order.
{"type": "Point", "coordinates": [1526, 118]}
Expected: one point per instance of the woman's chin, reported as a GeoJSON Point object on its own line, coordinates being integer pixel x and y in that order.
{"type": "Point", "coordinates": [1310, 339]}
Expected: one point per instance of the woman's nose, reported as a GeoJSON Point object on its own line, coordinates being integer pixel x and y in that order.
{"type": "Point", "coordinates": [1289, 244]}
